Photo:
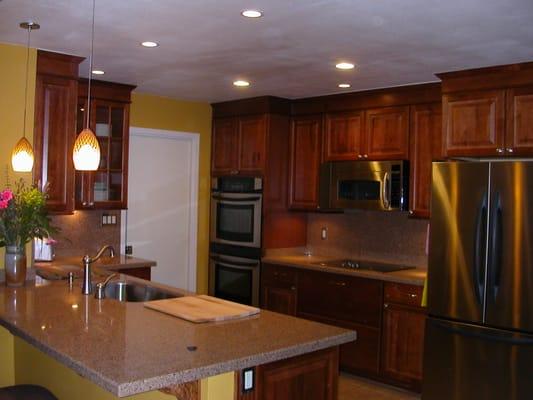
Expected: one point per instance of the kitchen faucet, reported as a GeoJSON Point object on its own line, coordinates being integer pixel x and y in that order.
{"type": "Point", "coordinates": [87, 287]}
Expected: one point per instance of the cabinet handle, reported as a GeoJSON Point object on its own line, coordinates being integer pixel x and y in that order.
{"type": "Point", "coordinates": [386, 305]}
{"type": "Point", "coordinates": [84, 203]}
{"type": "Point", "coordinates": [91, 203]}
{"type": "Point", "coordinates": [360, 156]}
{"type": "Point", "coordinates": [293, 288]}
{"type": "Point", "coordinates": [499, 150]}
{"type": "Point", "coordinates": [365, 156]}
{"type": "Point", "coordinates": [413, 296]}
{"type": "Point", "coordinates": [411, 212]}
{"type": "Point", "coordinates": [510, 150]}
{"type": "Point", "coordinates": [258, 156]}
{"type": "Point", "coordinates": [337, 283]}
{"type": "Point", "coordinates": [234, 172]}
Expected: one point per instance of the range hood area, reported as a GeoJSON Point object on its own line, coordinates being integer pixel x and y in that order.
{"type": "Point", "coordinates": [364, 185]}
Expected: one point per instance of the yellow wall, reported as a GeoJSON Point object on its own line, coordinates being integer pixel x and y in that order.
{"type": "Point", "coordinates": [7, 359]}
{"type": "Point", "coordinates": [34, 367]}
{"type": "Point", "coordinates": [148, 111]}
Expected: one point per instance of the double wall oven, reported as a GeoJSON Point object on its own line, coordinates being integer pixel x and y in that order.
{"type": "Point", "coordinates": [235, 234]}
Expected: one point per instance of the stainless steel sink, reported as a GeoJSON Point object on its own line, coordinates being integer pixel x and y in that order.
{"type": "Point", "coordinates": [134, 292]}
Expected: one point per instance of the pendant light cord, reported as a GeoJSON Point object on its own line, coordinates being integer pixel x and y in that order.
{"type": "Point", "coordinates": [26, 87]}
{"type": "Point", "coordinates": [90, 69]}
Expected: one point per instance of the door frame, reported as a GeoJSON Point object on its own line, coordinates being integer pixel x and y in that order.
{"type": "Point", "coordinates": [194, 139]}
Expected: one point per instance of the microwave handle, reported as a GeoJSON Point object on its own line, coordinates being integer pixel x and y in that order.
{"type": "Point", "coordinates": [228, 263]}
{"type": "Point", "coordinates": [386, 191]}
{"type": "Point", "coordinates": [237, 200]}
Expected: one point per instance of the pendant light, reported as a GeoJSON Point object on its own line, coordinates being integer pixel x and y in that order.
{"type": "Point", "coordinates": [86, 153]}
{"type": "Point", "coordinates": [22, 154]}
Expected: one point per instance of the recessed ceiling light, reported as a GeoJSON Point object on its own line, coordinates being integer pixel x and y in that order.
{"type": "Point", "coordinates": [345, 65]}
{"type": "Point", "coordinates": [98, 72]}
{"type": "Point", "coordinates": [241, 83]}
{"type": "Point", "coordinates": [252, 13]}
{"type": "Point", "coordinates": [344, 85]}
{"type": "Point", "coordinates": [149, 44]}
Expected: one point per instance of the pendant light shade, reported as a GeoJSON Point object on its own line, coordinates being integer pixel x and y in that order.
{"type": "Point", "coordinates": [86, 154]}
{"type": "Point", "coordinates": [22, 156]}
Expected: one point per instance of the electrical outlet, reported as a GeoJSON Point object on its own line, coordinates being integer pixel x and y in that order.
{"type": "Point", "coordinates": [129, 250]}
{"type": "Point", "coordinates": [324, 233]}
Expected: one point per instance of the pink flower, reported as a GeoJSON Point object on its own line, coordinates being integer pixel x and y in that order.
{"type": "Point", "coordinates": [3, 204]}
{"type": "Point", "coordinates": [6, 195]}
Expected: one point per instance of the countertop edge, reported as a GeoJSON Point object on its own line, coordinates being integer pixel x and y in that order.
{"type": "Point", "coordinates": [387, 277]}
{"type": "Point", "coordinates": [159, 382]}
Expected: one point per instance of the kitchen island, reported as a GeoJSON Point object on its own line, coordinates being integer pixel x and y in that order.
{"type": "Point", "coordinates": [128, 349]}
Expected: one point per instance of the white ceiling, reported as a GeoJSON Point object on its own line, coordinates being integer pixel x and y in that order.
{"type": "Point", "coordinates": [291, 52]}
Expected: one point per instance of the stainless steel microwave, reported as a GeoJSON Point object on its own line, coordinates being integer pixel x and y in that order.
{"type": "Point", "coordinates": [367, 185]}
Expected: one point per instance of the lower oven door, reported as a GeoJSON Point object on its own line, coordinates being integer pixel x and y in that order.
{"type": "Point", "coordinates": [234, 278]}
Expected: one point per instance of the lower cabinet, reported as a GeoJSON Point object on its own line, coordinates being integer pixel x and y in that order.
{"type": "Point", "coordinates": [309, 377]}
{"type": "Point", "coordinates": [387, 317]}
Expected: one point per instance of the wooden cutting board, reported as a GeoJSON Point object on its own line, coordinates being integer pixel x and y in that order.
{"type": "Point", "coordinates": [202, 308]}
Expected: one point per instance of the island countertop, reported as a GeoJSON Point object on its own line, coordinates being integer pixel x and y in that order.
{"type": "Point", "coordinates": [128, 349]}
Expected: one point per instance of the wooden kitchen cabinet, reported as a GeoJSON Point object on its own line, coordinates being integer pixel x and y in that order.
{"type": "Point", "coordinates": [425, 147]}
{"type": "Point", "coordinates": [343, 136]}
{"type": "Point", "coordinates": [387, 133]}
{"type": "Point", "coordinates": [519, 122]}
{"type": "Point", "coordinates": [304, 160]}
{"type": "Point", "coordinates": [403, 335]}
{"type": "Point", "coordinates": [474, 123]}
{"type": "Point", "coordinates": [239, 145]}
{"type": "Point", "coordinates": [55, 128]}
{"type": "Point", "coordinates": [278, 289]}
{"type": "Point", "coordinates": [106, 188]}
{"type": "Point", "coordinates": [312, 376]}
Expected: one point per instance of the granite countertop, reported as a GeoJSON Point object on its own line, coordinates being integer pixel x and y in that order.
{"type": "Point", "coordinates": [415, 276]}
{"type": "Point", "coordinates": [64, 265]}
{"type": "Point", "coordinates": [128, 349]}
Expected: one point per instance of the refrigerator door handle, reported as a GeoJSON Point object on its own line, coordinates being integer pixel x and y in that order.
{"type": "Point", "coordinates": [496, 244]}
{"type": "Point", "coordinates": [478, 271]}
{"type": "Point", "coordinates": [508, 339]}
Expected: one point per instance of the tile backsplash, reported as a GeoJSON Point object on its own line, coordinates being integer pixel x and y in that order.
{"type": "Point", "coordinates": [83, 233]}
{"type": "Point", "coordinates": [381, 236]}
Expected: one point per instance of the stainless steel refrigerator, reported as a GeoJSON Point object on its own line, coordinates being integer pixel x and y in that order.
{"type": "Point", "coordinates": [479, 334]}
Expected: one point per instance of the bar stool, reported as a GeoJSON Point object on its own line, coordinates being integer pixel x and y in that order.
{"type": "Point", "coordinates": [25, 392]}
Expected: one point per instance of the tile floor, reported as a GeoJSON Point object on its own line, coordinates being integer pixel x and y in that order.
{"type": "Point", "coordinates": [355, 388]}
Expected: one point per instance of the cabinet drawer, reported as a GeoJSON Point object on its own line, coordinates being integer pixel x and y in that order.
{"type": "Point", "coordinates": [340, 297]}
{"type": "Point", "coordinates": [278, 274]}
{"type": "Point", "coordinates": [410, 295]}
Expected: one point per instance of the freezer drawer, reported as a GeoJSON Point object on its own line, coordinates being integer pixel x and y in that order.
{"type": "Point", "coordinates": [465, 362]}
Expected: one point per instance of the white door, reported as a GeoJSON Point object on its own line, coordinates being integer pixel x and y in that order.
{"type": "Point", "coordinates": [161, 220]}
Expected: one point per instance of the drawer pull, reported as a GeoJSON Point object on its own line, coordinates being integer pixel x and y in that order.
{"type": "Point", "coordinates": [293, 288]}
{"type": "Point", "coordinates": [337, 283]}
{"type": "Point", "coordinates": [413, 296]}
{"type": "Point", "coordinates": [386, 305]}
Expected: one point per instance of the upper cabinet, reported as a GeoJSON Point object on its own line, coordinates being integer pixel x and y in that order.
{"type": "Point", "coordinates": [387, 133]}
{"type": "Point", "coordinates": [425, 147]}
{"type": "Point", "coordinates": [305, 156]}
{"type": "Point", "coordinates": [106, 188]}
{"type": "Point", "coordinates": [239, 145]}
{"type": "Point", "coordinates": [374, 134]}
{"type": "Point", "coordinates": [487, 112]}
{"type": "Point", "coordinates": [55, 128]}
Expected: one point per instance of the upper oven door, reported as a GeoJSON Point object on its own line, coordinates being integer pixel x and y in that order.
{"type": "Point", "coordinates": [236, 219]}
{"type": "Point", "coordinates": [361, 184]}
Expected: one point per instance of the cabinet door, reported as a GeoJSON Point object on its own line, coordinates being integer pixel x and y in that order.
{"type": "Point", "coordinates": [279, 299]}
{"type": "Point", "coordinates": [310, 377]}
{"type": "Point", "coordinates": [252, 137]}
{"type": "Point", "coordinates": [343, 136]}
{"type": "Point", "coordinates": [305, 157]}
{"type": "Point", "coordinates": [425, 147]}
{"type": "Point", "coordinates": [519, 132]}
{"type": "Point", "coordinates": [387, 133]}
{"type": "Point", "coordinates": [106, 188]}
{"type": "Point", "coordinates": [403, 344]}
{"type": "Point", "coordinates": [54, 135]}
{"type": "Point", "coordinates": [473, 123]}
{"type": "Point", "coordinates": [225, 157]}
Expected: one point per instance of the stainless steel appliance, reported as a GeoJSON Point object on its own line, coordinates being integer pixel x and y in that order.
{"type": "Point", "coordinates": [234, 278]}
{"type": "Point", "coordinates": [363, 265]}
{"type": "Point", "coordinates": [369, 185]}
{"type": "Point", "coordinates": [479, 334]}
{"type": "Point", "coordinates": [236, 211]}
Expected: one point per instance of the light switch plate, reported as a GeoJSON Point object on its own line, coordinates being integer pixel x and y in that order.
{"type": "Point", "coordinates": [247, 379]}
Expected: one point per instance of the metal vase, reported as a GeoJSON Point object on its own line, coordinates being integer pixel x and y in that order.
{"type": "Point", "coordinates": [15, 265]}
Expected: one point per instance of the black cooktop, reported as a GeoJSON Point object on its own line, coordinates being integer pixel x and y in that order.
{"type": "Point", "coordinates": [363, 265]}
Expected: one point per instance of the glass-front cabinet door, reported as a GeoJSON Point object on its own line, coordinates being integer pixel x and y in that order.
{"type": "Point", "coordinates": [105, 188]}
